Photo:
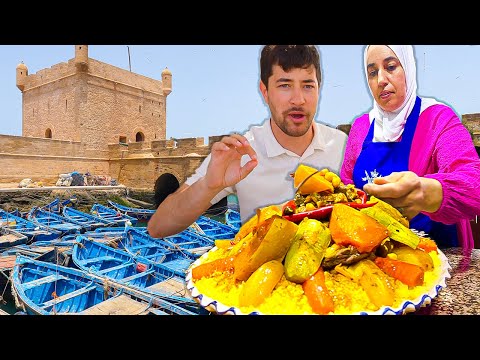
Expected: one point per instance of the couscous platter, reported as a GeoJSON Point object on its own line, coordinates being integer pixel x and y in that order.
{"type": "Point", "coordinates": [357, 260]}
{"type": "Point", "coordinates": [292, 302]}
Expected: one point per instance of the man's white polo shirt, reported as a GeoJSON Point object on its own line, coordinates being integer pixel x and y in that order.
{"type": "Point", "coordinates": [270, 182]}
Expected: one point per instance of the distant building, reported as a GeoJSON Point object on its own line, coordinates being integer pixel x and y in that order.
{"type": "Point", "coordinates": [345, 128]}
{"type": "Point", "coordinates": [472, 123]}
{"type": "Point", "coordinates": [88, 116]}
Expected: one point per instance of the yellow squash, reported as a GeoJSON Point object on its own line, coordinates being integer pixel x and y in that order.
{"type": "Point", "coordinates": [261, 283]}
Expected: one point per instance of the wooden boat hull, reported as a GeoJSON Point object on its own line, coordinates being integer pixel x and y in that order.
{"type": "Point", "coordinates": [54, 221]}
{"type": "Point", "coordinates": [158, 251]}
{"type": "Point", "coordinates": [134, 272]}
{"type": "Point", "coordinates": [33, 231]}
{"type": "Point", "coordinates": [232, 218]}
{"type": "Point", "coordinates": [138, 213]}
{"type": "Point", "coordinates": [112, 215]}
{"type": "Point", "coordinates": [213, 229]}
{"type": "Point", "coordinates": [190, 242]}
{"type": "Point", "coordinates": [88, 221]}
{"type": "Point", "coordinates": [43, 288]}
{"type": "Point", "coordinates": [9, 238]}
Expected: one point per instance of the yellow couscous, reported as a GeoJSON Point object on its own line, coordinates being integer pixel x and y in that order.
{"type": "Point", "coordinates": [288, 298]}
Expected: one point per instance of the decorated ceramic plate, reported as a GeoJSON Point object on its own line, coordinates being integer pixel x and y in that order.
{"type": "Point", "coordinates": [325, 211]}
{"type": "Point", "coordinates": [406, 306]}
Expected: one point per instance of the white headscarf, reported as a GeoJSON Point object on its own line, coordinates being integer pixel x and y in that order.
{"type": "Point", "coordinates": [389, 125]}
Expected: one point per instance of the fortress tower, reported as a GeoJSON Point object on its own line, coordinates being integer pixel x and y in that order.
{"type": "Point", "coordinates": [94, 103]}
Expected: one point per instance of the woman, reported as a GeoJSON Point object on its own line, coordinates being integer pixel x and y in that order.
{"type": "Point", "coordinates": [413, 152]}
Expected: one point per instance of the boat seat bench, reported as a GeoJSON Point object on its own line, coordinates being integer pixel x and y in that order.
{"type": "Point", "coordinates": [68, 296]}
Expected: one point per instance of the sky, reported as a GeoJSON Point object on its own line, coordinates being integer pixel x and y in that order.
{"type": "Point", "coordinates": [215, 88]}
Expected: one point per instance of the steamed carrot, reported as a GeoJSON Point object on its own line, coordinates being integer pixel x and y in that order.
{"type": "Point", "coordinates": [317, 293]}
{"type": "Point", "coordinates": [427, 245]}
{"type": "Point", "coordinates": [209, 268]}
{"type": "Point", "coordinates": [409, 274]}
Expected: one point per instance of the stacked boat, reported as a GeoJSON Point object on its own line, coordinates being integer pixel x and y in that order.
{"type": "Point", "coordinates": [65, 261]}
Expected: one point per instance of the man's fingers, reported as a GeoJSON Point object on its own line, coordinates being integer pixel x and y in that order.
{"type": "Point", "coordinates": [248, 168]}
{"type": "Point", "coordinates": [220, 146]}
{"type": "Point", "coordinates": [240, 144]}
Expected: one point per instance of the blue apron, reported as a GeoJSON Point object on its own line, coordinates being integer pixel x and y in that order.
{"type": "Point", "coordinates": [382, 158]}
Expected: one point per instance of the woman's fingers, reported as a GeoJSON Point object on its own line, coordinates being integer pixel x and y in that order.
{"type": "Point", "coordinates": [386, 190]}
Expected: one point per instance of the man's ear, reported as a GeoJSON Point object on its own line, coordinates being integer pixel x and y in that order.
{"type": "Point", "coordinates": [264, 91]}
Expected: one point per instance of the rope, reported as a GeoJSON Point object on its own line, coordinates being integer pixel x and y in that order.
{"type": "Point", "coordinates": [18, 303]}
{"type": "Point", "coordinates": [4, 289]}
{"type": "Point", "coordinates": [54, 294]}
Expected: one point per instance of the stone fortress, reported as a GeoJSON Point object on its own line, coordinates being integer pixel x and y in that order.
{"type": "Point", "coordinates": [89, 116]}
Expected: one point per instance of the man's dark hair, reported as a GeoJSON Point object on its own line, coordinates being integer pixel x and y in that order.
{"type": "Point", "coordinates": [288, 57]}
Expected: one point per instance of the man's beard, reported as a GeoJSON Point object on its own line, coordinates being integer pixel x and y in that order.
{"type": "Point", "coordinates": [293, 130]}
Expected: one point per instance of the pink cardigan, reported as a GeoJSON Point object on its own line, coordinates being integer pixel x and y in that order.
{"type": "Point", "coordinates": [442, 149]}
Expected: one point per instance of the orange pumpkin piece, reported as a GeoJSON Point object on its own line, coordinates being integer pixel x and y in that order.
{"type": "Point", "coordinates": [209, 268]}
{"type": "Point", "coordinates": [252, 223]}
{"type": "Point", "coordinates": [270, 242]}
{"type": "Point", "coordinates": [427, 245]}
{"type": "Point", "coordinates": [316, 183]}
{"type": "Point", "coordinates": [348, 226]}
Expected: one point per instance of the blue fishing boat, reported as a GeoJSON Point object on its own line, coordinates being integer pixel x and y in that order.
{"type": "Point", "coordinates": [112, 215]}
{"type": "Point", "coordinates": [54, 221]}
{"type": "Point", "coordinates": [118, 229]}
{"type": "Point", "coordinates": [33, 231]}
{"type": "Point", "coordinates": [135, 272]}
{"type": "Point", "coordinates": [190, 242]}
{"type": "Point", "coordinates": [213, 229]}
{"type": "Point", "coordinates": [232, 218]}
{"type": "Point", "coordinates": [88, 221]}
{"type": "Point", "coordinates": [138, 213]}
{"type": "Point", "coordinates": [44, 288]}
{"type": "Point", "coordinates": [16, 212]}
{"type": "Point", "coordinates": [9, 238]}
{"type": "Point", "coordinates": [157, 251]}
{"type": "Point", "coordinates": [56, 205]}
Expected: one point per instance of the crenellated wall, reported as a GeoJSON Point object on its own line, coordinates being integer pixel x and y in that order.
{"type": "Point", "coordinates": [135, 165]}
{"type": "Point", "coordinates": [139, 165]}
{"type": "Point", "coordinates": [45, 159]}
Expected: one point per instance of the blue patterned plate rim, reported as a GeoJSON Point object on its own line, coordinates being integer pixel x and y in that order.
{"type": "Point", "coordinates": [406, 307]}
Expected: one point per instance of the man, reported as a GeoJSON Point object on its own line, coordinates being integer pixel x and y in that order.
{"type": "Point", "coordinates": [256, 165]}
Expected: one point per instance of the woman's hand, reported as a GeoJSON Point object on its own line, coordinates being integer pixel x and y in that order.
{"type": "Point", "coordinates": [408, 192]}
{"type": "Point", "coordinates": [225, 167]}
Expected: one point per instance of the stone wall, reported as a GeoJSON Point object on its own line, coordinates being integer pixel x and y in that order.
{"type": "Point", "coordinates": [136, 165]}
{"type": "Point", "coordinates": [52, 106]}
{"type": "Point", "coordinates": [472, 123]}
{"type": "Point", "coordinates": [139, 166]}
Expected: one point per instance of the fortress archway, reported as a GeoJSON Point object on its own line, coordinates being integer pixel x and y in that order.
{"type": "Point", "coordinates": [164, 186]}
{"type": "Point", "coordinates": [168, 183]}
